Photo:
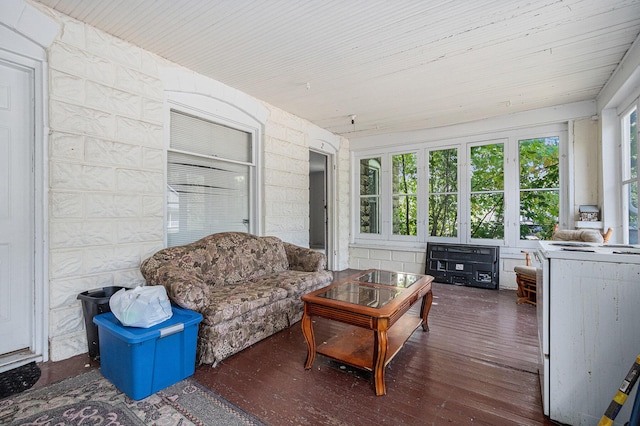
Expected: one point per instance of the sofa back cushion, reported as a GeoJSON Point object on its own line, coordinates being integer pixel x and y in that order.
{"type": "Point", "coordinates": [227, 257]}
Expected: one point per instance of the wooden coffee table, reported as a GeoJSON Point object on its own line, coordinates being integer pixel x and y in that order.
{"type": "Point", "coordinates": [371, 300]}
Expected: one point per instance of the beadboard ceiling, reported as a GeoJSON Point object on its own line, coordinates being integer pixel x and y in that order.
{"type": "Point", "coordinates": [396, 65]}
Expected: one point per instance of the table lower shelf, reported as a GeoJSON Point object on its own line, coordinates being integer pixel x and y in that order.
{"type": "Point", "coordinates": [354, 345]}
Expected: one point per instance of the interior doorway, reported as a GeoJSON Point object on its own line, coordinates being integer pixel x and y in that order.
{"type": "Point", "coordinates": [318, 212]}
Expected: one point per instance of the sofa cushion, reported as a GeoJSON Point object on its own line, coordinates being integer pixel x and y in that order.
{"type": "Point", "coordinates": [295, 283]}
{"type": "Point", "coordinates": [237, 256]}
{"type": "Point", "coordinates": [233, 300]}
{"type": "Point", "coordinates": [185, 289]}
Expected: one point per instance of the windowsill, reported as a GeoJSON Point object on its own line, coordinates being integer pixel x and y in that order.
{"type": "Point", "coordinates": [390, 245]}
{"type": "Point", "coordinates": [505, 252]}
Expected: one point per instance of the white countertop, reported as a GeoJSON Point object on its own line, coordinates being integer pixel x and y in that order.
{"type": "Point", "coordinates": [596, 252]}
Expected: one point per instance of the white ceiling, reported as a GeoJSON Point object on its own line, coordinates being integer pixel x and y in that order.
{"type": "Point", "coordinates": [396, 65]}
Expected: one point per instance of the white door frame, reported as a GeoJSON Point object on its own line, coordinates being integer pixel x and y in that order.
{"type": "Point", "coordinates": [25, 34]}
{"type": "Point", "coordinates": [38, 346]}
{"type": "Point", "coordinates": [326, 143]}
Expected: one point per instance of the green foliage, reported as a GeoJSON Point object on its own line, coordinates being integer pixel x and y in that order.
{"type": "Point", "coordinates": [443, 190]}
{"type": "Point", "coordinates": [405, 188]}
{"type": "Point", "coordinates": [539, 163]}
{"type": "Point", "coordinates": [487, 168]}
{"type": "Point", "coordinates": [443, 171]}
{"type": "Point", "coordinates": [539, 190]}
{"type": "Point", "coordinates": [487, 191]}
{"type": "Point", "coordinates": [442, 221]}
{"type": "Point", "coordinates": [540, 212]}
{"type": "Point", "coordinates": [405, 215]}
{"type": "Point", "coordinates": [487, 215]}
{"type": "Point", "coordinates": [539, 187]}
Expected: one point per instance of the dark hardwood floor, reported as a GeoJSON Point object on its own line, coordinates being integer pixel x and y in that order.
{"type": "Point", "coordinates": [477, 365]}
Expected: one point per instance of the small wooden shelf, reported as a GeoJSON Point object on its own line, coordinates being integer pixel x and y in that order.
{"type": "Point", "coordinates": [354, 346]}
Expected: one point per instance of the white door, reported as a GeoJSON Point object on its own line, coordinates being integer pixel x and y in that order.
{"type": "Point", "coordinates": [16, 209]}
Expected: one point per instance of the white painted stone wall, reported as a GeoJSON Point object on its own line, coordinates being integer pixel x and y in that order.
{"type": "Point", "coordinates": [412, 261]}
{"type": "Point", "coordinates": [343, 165]}
{"type": "Point", "coordinates": [106, 173]}
{"type": "Point", "coordinates": [286, 178]}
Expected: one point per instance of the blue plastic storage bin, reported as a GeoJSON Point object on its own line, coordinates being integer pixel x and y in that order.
{"type": "Point", "coordinates": [142, 361]}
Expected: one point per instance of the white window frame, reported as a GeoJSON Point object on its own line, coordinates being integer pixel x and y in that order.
{"type": "Point", "coordinates": [425, 199]}
{"type": "Point", "coordinates": [517, 160]}
{"type": "Point", "coordinates": [466, 210]}
{"type": "Point", "coordinates": [225, 114]}
{"type": "Point", "coordinates": [356, 196]}
{"type": "Point", "coordinates": [625, 176]}
{"type": "Point", "coordinates": [566, 198]}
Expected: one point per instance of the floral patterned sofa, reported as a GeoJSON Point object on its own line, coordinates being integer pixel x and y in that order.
{"type": "Point", "coordinates": [246, 287]}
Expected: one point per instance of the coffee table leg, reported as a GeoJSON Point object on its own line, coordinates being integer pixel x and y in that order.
{"type": "Point", "coordinates": [307, 331]}
{"type": "Point", "coordinates": [427, 300]}
{"type": "Point", "coordinates": [380, 345]}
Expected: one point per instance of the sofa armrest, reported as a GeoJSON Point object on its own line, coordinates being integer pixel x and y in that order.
{"type": "Point", "coordinates": [183, 287]}
{"type": "Point", "coordinates": [305, 259]}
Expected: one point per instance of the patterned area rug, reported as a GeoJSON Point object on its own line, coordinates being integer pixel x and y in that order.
{"type": "Point", "coordinates": [90, 399]}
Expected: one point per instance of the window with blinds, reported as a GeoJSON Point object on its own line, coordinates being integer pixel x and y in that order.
{"type": "Point", "coordinates": [209, 171]}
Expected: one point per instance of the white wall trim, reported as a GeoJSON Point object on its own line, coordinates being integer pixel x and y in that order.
{"type": "Point", "coordinates": [624, 81]}
{"type": "Point", "coordinates": [26, 21]}
{"type": "Point", "coordinates": [527, 119]}
{"type": "Point", "coordinates": [323, 140]}
{"type": "Point", "coordinates": [182, 80]}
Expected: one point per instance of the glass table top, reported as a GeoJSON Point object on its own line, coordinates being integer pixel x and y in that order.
{"type": "Point", "coordinates": [396, 279]}
{"type": "Point", "coordinates": [362, 294]}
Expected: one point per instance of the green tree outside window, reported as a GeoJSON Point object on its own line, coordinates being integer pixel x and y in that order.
{"type": "Point", "coordinates": [443, 193]}
{"type": "Point", "coordinates": [404, 194]}
{"type": "Point", "coordinates": [487, 191]}
{"type": "Point", "coordinates": [539, 187]}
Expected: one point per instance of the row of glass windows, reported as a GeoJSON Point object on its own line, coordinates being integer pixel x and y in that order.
{"type": "Point", "coordinates": [484, 210]}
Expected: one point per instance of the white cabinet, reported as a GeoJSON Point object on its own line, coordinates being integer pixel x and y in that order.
{"type": "Point", "coordinates": [589, 319]}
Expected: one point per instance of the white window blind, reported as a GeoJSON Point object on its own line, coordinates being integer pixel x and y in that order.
{"type": "Point", "coordinates": [208, 179]}
{"type": "Point", "coordinates": [200, 136]}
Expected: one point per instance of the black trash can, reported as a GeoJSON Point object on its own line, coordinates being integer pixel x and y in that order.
{"type": "Point", "coordinates": [95, 302]}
